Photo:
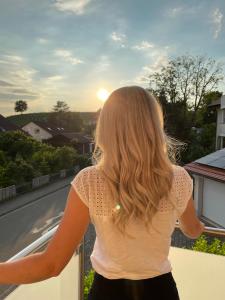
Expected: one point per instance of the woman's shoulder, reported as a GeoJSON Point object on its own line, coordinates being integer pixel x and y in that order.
{"type": "Point", "coordinates": [182, 179]}
{"type": "Point", "coordinates": [179, 170]}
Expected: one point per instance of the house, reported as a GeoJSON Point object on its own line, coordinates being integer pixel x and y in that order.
{"type": "Point", "coordinates": [5, 125]}
{"type": "Point", "coordinates": [59, 136]}
{"type": "Point", "coordinates": [208, 173]}
{"type": "Point", "coordinates": [219, 104]}
{"type": "Point", "coordinates": [82, 143]}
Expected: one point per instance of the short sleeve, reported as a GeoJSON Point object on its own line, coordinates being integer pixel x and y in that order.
{"type": "Point", "coordinates": [81, 186]}
{"type": "Point", "coordinates": [184, 186]}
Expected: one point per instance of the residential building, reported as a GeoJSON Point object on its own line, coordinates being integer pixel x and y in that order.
{"type": "Point", "coordinates": [208, 173]}
{"type": "Point", "coordinates": [5, 125]}
{"type": "Point", "coordinates": [59, 136]}
{"type": "Point", "coordinates": [219, 104]}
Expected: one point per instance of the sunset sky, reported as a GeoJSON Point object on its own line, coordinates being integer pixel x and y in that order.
{"type": "Point", "coordinates": [68, 50]}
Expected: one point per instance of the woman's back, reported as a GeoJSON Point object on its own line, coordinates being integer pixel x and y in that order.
{"type": "Point", "coordinates": [146, 255]}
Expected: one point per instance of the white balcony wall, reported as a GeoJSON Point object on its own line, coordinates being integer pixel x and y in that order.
{"type": "Point", "coordinates": [198, 275]}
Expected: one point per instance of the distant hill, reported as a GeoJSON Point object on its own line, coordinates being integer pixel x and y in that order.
{"type": "Point", "coordinates": [22, 119]}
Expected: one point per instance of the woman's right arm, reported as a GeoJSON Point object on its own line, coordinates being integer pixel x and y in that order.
{"type": "Point", "coordinates": [189, 223]}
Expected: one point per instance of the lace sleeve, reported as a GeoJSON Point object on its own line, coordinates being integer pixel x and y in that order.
{"type": "Point", "coordinates": [184, 185]}
{"type": "Point", "coordinates": [80, 184]}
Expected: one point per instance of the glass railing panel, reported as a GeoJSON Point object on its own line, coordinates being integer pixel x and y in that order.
{"type": "Point", "coordinates": [198, 275]}
{"type": "Point", "coordinates": [68, 285]}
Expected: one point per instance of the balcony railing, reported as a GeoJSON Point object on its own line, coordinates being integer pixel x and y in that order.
{"type": "Point", "coordinates": [198, 275]}
{"type": "Point", "coordinates": [68, 285]}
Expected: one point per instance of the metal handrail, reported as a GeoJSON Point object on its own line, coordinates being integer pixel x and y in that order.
{"type": "Point", "coordinates": [210, 230]}
{"type": "Point", "coordinates": [41, 241]}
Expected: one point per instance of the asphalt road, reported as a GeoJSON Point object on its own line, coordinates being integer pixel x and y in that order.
{"type": "Point", "coordinates": [22, 226]}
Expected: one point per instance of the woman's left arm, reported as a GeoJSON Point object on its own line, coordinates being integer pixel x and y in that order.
{"type": "Point", "coordinates": [49, 263]}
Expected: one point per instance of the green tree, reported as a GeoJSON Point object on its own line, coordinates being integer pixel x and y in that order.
{"type": "Point", "coordinates": [20, 106]}
{"type": "Point", "coordinates": [17, 142]}
{"type": "Point", "coordinates": [187, 79]}
{"type": "Point", "coordinates": [61, 106]}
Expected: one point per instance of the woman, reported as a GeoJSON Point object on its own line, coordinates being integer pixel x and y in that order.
{"type": "Point", "coordinates": [133, 195]}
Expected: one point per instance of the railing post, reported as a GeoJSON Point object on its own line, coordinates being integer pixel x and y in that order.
{"type": "Point", "coordinates": [81, 263]}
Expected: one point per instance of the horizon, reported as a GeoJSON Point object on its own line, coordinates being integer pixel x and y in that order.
{"type": "Point", "coordinates": [65, 49]}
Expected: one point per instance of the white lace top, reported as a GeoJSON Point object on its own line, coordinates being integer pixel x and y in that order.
{"type": "Point", "coordinates": [115, 256]}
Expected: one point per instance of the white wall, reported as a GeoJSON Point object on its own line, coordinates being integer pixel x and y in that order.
{"type": "Point", "coordinates": [31, 128]}
{"type": "Point", "coordinates": [213, 206]}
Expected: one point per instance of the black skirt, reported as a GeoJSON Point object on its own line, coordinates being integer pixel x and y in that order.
{"type": "Point", "coordinates": [162, 287]}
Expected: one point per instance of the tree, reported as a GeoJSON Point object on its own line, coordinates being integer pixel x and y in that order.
{"type": "Point", "coordinates": [61, 116]}
{"type": "Point", "coordinates": [61, 106]}
{"type": "Point", "coordinates": [20, 106]}
{"type": "Point", "coordinates": [187, 79]}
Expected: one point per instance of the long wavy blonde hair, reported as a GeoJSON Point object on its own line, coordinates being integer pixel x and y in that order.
{"type": "Point", "coordinates": [134, 153]}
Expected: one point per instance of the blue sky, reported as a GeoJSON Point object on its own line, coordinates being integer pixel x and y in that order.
{"type": "Point", "coordinates": [68, 49]}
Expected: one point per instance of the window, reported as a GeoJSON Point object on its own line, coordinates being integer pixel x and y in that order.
{"type": "Point", "coordinates": [36, 130]}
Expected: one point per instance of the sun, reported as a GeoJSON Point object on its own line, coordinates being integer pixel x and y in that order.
{"type": "Point", "coordinates": [102, 94]}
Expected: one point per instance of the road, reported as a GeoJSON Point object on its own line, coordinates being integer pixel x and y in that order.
{"type": "Point", "coordinates": [22, 226]}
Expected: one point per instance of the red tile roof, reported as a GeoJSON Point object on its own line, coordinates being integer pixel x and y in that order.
{"type": "Point", "coordinates": [207, 171]}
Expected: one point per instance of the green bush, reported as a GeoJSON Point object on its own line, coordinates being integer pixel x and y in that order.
{"type": "Point", "coordinates": [88, 280]}
{"type": "Point", "coordinates": [215, 247]}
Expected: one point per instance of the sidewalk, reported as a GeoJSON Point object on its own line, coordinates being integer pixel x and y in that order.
{"type": "Point", "coordinates": [21, 200]}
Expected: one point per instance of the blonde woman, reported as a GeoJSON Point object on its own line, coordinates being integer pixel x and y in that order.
{"type": "Point", "coordinates": [133, 194]}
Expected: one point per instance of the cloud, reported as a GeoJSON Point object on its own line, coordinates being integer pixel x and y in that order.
{"type": "Point", "coordinates": [75, 6]}
{"type": "Point", "coordinates": [55, 78]}
{"type": "Point", "coordinates": [173, 12]}
{"type": "Point", "coordinates": [184, 10]}
{"type": "Point", "coordinates": [23, 91]}
{"type": "Point", "coordinates": [118, 38]}
{"type": "Point", "coordinates": [144, 45]}
{"type": "Point", "coordinates": [18, 79]}
{"type": "Point", "coordinates": [5, 84]}
{"type": "Point", "coordinates": [7, 97]}
{"type": "Point", "coordinates": [143, 76]}
{"type": "Point", "coordinates": [11, 59]}
{"type": "Point", "coordinates": [42, 41]}
{"type": "Point", "coordinates": [217, 19]}
{"type": "Point", "coordinates": [67, 56]}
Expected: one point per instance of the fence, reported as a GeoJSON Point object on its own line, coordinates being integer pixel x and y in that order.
{"type": "Point", "coordinates": [7, 192]}
{"type": "Point", "coordinates": [12, 191]}
{"type": "Point", "coordinates": [38, 181]}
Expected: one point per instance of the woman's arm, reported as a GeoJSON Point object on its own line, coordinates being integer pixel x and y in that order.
{"type": "Point", "coordinates": [189, 222]}
{"type": "Point", "coordinates": [50, 262]}
{"type": "Point", "coordinates": [29, 269]}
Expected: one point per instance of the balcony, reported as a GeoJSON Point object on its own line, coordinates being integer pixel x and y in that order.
{"type": "Point", "coordinates": [198, 275]}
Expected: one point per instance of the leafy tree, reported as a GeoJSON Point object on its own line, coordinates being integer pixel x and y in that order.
{"type": "Point", "coordinates": [208, 114]}
{"type": "Point", "coordinates": [20, 106]}
{"type": "Point", "coordinates": [65, 156]}
{"type": "Point", "coordinates": [187, 79]}
{"type": "Point", "coordinates": [61, 106]}
{"type": "Point", "coordinates": [14, 142]}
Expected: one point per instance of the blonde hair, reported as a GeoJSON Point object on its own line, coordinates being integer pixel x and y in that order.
{"type": "Point", "coordinates": [134, 153]}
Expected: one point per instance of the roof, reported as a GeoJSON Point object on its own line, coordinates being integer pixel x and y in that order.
{"type": "Point", "coordinates": [211, 165]}
{"type": "Point", "coordinates": [5, 125]}
{"type": "Point", "coordinates": [77, 136]}
{"type": "Point", "coordinates": [207, 171]}
{"type": "Point", "coordinates": [215, 103]}
{"type": "Point", "coordinates": [61, 131]}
